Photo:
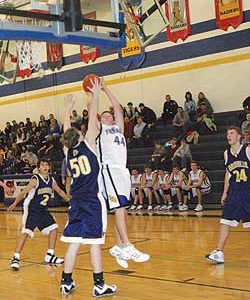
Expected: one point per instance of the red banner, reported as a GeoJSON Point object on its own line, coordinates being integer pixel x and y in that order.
{"type": "Point", "coordinates": [228, 13]}
{"type": "Point", "coordinates": [179, 18]}
{"type": "Point", "coordinates": [54, 55]}
{"type": "Point", "coordinates": [88, 53]}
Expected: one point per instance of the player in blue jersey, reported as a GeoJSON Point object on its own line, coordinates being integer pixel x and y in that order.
{"type": "Point", "coordinates": [87, 216]}
{"type": "Point", "coordinates": [38, 193]}
{"type": "Point", "coordinates": [236, 195]}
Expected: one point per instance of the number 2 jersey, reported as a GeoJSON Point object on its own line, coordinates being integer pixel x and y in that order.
{"type": "Point", "coordinates": [83, 166]}
{"type": "Point", "coordinates": [40, 195]}
{"type": "Point", "coordinates": [112, 146]}
{"type": "Point", "coordinates": [238, 167]}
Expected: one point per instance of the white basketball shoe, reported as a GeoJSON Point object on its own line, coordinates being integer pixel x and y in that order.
{"type": "Point", "coordinates": [215, 257]}
{"type": "Point", "coordinates": [117, 252]}
{"type": "Point", "coordinates": [130, 252]}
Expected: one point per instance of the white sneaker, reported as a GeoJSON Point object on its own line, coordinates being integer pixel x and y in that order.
{"type": "Point", "coordinates": [163, 207]}
{"type": "Point", "coordinates": [104, 290]}
{"type": "Point", "coordinates": [15, 263]}
{"type": "Point", "coordinates": [183, 207]}
{"type": "Point", "coordinates": [150, 207]}
{"type": "Point", "coordinates": [215, 257]}
{"type": "Point", "coordinates": [53, 260]}
{"type": "Point", "coordinates": [117, 252]}
{"type": "Point", "coordinates": [130, 252]}
{"type": "Point", "coordinates": [67, 287]}
{"type": "Point", "coordinates": [132, 207]}
{"type": "Point", "coordinates": [157, 207]}
{"type": "Point", "coordinates": [169, 207]}
{"type": "Point", "coordinates": [139, 207]}
{"type": "Point", "coordinates": [198, 207]}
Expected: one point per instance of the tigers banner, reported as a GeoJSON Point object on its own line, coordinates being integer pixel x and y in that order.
{"type": "Point", "coordinates": [228, 13]}
{"type": "Point", "coordinates": [132, 55]}
{"type": "Point", "coordinates": [88, 53]}
{"type": "Point", "coordinates": [179, 18]}
{"type": "Point", "coordinates": [54, 55]}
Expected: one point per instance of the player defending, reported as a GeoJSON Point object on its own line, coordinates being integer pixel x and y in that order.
{"type": "Point", "coordinates": [236, 194]}
{"type": "Point", "coordinates": [87, 216]}
{"type": "Point", "coordinates": [38, 194]}
{"type": "Point", "coordinates": [116, 178]}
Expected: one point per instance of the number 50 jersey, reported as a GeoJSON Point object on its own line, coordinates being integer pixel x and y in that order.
{"type": "Point", "coordinates": [112, 146]}
{"type": "Point", "coordinates": [84, 168]}
{"type": "Point", "coordinates": [239, 168]}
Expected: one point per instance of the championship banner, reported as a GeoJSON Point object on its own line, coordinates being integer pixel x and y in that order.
{"type": "Point", "coordinates": [132, 55]}
{"type": "Point", "coordinates": [88, 53]}
{"type": "Point", "coordinates": [54, 56]}
{"type": "Point", "coordinates": [228, 13]}
{"type": "Point", "coordinates": [178, 15]}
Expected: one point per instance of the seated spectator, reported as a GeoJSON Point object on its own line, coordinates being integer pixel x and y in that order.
{"type": "Point", "coordinates": [43, 126]}
{"type": "Point", "coordinates": [22, 136]}
{"type": "Point", "coordinates": [14, 129]}
{"type": "Point", "coordinates": [28, 124]}
{"type": "Point", "coordinates": [15, 149]}
{"type": "Point", "coordinates": [24, 152]}
{"type": "Point", "coordinates": [19, 165]}
{"type": "Point", "coordinates": [246, 140]}
{"type": "Point", "coordinates": [205, 120]}
{"type": "Point", "coordinates": [138, 131]}
{"type": "Point", "coordinates": [171, 147]}
{"type": "Point", "coordinates": [203, 99]}
{"type": "Point", "coordinates": [169, 109]}
{"type": "Point", "coordinates": [192, 136]}
{"type": "Point", "coordinates": [31, 157]}
{"type": "Point", "coordinates": [8, 130]}
{"type": "Point", "coordinates": [182, 156]}
{"type": "Point", "coordinates": [9, 162]}
{"type": "Point", "coordinates": [131, 112]}
{"type": "Point", "coordinates": [245, 127]}
{"type": "Point", "coordinates": [75, 118]}
{"type": "Point", "coordinates": [36, 140]}
{"type": "Point", "coordinates": [157, 155]}
{"type": "Point", "coordinates": [2, 164]}
{"type": "Point", "coordinates": [34, 128]}
{"type": "Point", "coordinates": [149, 116]}
{"type": "Point", "coordinates": [51, 117]}
{"type": "Point", "coordinates": [128, 128]}
{"type": "Point", "coordinates": [54, 128]}
{"type": "Point", "coordinates": [181, 121]}
{"type": "Point", "coordinates": [190, 106]}
{"type": "Point", "coordinates": [85, 117]}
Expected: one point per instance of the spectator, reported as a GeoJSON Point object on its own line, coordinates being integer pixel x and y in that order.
{"type": "Point", "coordinates": [181, 121]}
{"type": "Point", "coordinates": [83, 129]}
{"type": "Point", "coordinates": [16, 151]}
{"type": "Point", "coordinates": [131, 112]}
{"type": "Point", "coordinates": [36, 140]}
{"type": "Point", "coordinates": [8, 130]}
{"type": "Point", "coordinates": [22, 137]}
{"type": "Point", "coordinates": [31, 157]}
{"type": "Point", "coordinates": [75, 118]}
{"type": "Point", "coordinates": [246, 104]}
{"type": "Point", "coordinates": [190, 106]}
{"type": "Point", "coordinates": [205, 120]}
{"type": "Point", "coordinates": [33, 128]}
{"type": "Point", "coordinates": [54, 128]}
{"type": "Point", "coordinates": [51, 117]}
{"type": "Point", "coordinates": [157, 155]}
{"type": "Point", "coordinates": [138, 130]}
{"type": "Point", "coordinates": [245, 127]}
{"type": "Point", "coordinates": [19, 165]}
{"type": "Point", "coordinates": [182, 156]}
{"type": "Point", "coordinates": [128, 128]}
{"type": "Point", "coordinates": [24, 152]}
{"type": "Point", "coordinates": [85, 117]}
{"type": "Point", "coordinates": [169, 109]}
{"type": "Point", "coordinates": [149, 116]}
{"type": "Point", "coordinates": [28, 124]}
{"type": "Point", "coordinates": [246, 140]}
{"type": "Point", "coordinates": [2, 164]}
{"type": "Point", "coordinates": [9, 162]}
{"type": "Point", "coordinates": [202, 99]}
{"type": "Point", "coordinates": [166, 161]}
{"type": "Point", "coordinates": [14, 130]}
{"type": "Point", "coordinates": [43, 126]}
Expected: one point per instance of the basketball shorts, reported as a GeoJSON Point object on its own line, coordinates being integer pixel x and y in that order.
{"type": "Point", "coordinates": [237, 208]}
{"type": "Point", "coordinates": [87, 220]}
{"type": "Point", "coordinates": [42, 219]}
{"type": "Point", "coordinates": [116, 186]}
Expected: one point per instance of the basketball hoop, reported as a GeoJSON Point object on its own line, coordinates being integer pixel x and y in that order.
{"type": "Point", "coordinates": [29, 53]}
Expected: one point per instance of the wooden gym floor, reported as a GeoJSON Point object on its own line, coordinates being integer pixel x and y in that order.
{"type": "Point", "coordinates": [176, 242]}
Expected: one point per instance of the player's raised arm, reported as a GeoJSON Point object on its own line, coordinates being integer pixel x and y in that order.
{"type": "Point", "coordinates": [93, 105]}
{"type": "Point", "coordinates": [23, 193]}
{"type": "Point", "coordinates": [116, 105]}
{"type": "Point", "coordinates": [68, 106]}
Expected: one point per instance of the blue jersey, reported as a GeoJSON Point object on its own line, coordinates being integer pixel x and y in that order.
{"type": "Point", "coordinates": [40, 195]}
{"type": "Point", "coordinates": [239, 168]}
{"type": "Point", "coordinates": [84, 167]}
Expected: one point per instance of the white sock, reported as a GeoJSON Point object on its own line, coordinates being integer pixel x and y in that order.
{"type": "Point", "coordinates": [51, 251]}
{"type": "Point", "coordinates": [17, 255]}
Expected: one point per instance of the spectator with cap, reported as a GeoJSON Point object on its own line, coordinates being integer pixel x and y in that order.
{"type": "Point", "coordinates": [169, 109]}
{"type": "Point", "coordinates": [149, 116]}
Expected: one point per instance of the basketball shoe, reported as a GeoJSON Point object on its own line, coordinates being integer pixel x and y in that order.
{"type": "Point", "coordinates": [15, 263]}
{"type": "Point", "coordinates": [104, 290]}
{"type": "Point", "coordinates": [67, 287]}
{"type": "Point", "coordinates": [117, 252]}
{"type": "Point", "coordinates": [130, 252]}
{"type": "Point", "coordinates": [215, 257]}
{"type": "Point", "coordinates": [53, 260]}
{"type": "Point", "coordinates": [198, 207]}
{"type": "Point", "coordinates": [132, 207]}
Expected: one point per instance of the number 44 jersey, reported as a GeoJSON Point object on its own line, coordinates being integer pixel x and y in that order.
{"type": "Point", "coordinates": [83, 166]}
{"type": "Point", "coordinates": [112, 146]}
{"type": "Point", "coordinates": [238, 166]}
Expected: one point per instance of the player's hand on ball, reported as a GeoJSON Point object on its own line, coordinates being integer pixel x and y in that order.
{"type": "Point", "coordinates": [103, 84]}
{"type": "Point", "coordinates": [96, 86]}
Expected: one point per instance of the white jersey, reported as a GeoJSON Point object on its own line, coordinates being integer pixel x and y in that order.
{"type": "Point", "coordinates": [112, 146]}
{"type": "Point", "coordinates": [135, 180]}
{"type": "Point", "coordinates": [196, 176]}
{"type": "Point", "coordinates": [162, 180]}
{"type": "Point", "coordinates": [149, 178]}
{"type": "Point", "coordinates": [176, 179]}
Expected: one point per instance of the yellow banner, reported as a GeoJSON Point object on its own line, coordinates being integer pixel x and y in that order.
{"type": "Point", "coordinates": [132, 45]}
{"type": "Point", "coordinates": [229, 9]}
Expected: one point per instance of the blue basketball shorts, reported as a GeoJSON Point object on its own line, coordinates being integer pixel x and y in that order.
{"type": "Point", "coordinates": [237, 208]}
{"type": "Point", "coordinates": [87, 220]}
{"type": "Point", "coordinates": [35, 218]}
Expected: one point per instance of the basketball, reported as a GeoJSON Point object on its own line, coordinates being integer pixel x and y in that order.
{"type": "Point", "coordinates": [86, 83]}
